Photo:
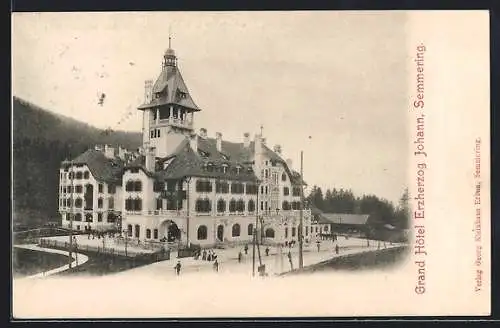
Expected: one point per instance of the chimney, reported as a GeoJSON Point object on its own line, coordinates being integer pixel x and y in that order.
{"type": "Point", "coordinates": [246, 139]}
{"type": "Point", "coordinates": [193, 142]}
{"type": "Point", "coordinates": [277, 149]}
{"type": "Point", "coordinates": [109, 151]}
{"type": "Point", "coordinates": [148, 91]}
{"type": "Point", "coordinates": [203, 133]}
{"type": "Point", "coordinates": [150, 159]}
{"type": "Point", "coordinates": [289, 163]}
{"type": "Point", "coordinates": [218, 137]}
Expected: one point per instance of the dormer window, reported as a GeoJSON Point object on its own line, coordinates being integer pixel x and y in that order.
{"type": "Point", "coordinates": [224, 168]}
{"type": "Point", "coordinates": [203, 153]}
{"type": "Point", "coordinates": [238, 169]}
{"type": "Point", "coordinates": [210, 167]}
{"type": "Point", "coordinates": [225, 157]}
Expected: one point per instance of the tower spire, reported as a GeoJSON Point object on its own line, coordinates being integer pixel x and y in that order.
{"type": "Point", "coordinates": [170, 36]}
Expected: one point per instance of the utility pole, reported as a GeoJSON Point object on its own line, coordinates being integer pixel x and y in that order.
{"type": "Point", "coordinates": [301, 256]}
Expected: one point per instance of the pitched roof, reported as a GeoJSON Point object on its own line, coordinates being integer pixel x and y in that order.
{"type": "Point", "coordinates": [339, 218]}
{"type": "Point", "coordinates": [168, 85]}
{"type": "Point", "coordinates": [102, 168]}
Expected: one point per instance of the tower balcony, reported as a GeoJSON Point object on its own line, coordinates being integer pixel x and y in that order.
{"type": "Point", "coordinates": [177, 122]}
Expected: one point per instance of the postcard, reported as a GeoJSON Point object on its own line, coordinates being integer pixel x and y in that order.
{"type": "Point", "coordinates": [293, 164]}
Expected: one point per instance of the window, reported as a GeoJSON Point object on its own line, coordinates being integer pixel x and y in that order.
{"type": "Point", "coordinates": [133, 204]}
{"type": "Point", "coordinates": [286, 191]}
{"type": "Point", "coordinates": [261, 206]}
{"type": "Point", "coordinates": [78, 175]}
{"type": "Point", "coordinates": [296, 191]}
{"type": "Point", "coordinates": [283, 177]}
{"type": "Point", "coordinates": [148, 233]}
{"type": "Point", "coordinates": [236, 230]}
{"type": "Point", "coordinates": [129, 186]}
{"type": "Point", "coordinates": [129, 230]}
{"type": "Point", "coordinates": [137, 185]}
{"type": "Point", "coordinates": [269, 233]}
{"type": "Point", "coordinates": [251, 205]}
{"type": "Point", "coordinates": [251, 189]}
{"type": "Point", "coordinates": [99, 217]}
{"type": "Point", "coordinates": [155, 234]}
{"type": "Point", "coordinates": [266, 173]}
{"type": "Point", "coordinates": [295, 205]}
{"type": "Point", "coordinates": [316, 229]}
{"type": "Point", "coordinates": [285, 206]}
{"type": "Point", "coordinates": [78, 189]}
{"type": "Point", "coordinates": [99, 203]}
{"type": "Point", "coordinates": [221, 187]}
{"type": "Point", "coordinates": [111, 189]}
{"type": "Point", "coordinates": [325, 229]}
{"type": "Point", "coordinates": [203, 206]}
{"type": "Point", "coordinates": [221, 206]}
{"type": "Point", "coordinates": [262, 189]}
{"type": "Point", "coordinates": [137, 231]}
{"type": "Point", "coordinates": [86, 175]}
{"type": "Point", "coordinates": [232, 206]}
{"type": "Point", "coordinates": [78, 202]}
{"type": "Point", "coordinates": [250, 229]}
{"type": "Point", "coordinates": [307, 232]}
{"type": "Point", "coordinates": [240, 206]}
{"type": "Point", "coordinates": [294, 231]}
{"type": "Point", "coordinates": [266, 190]}
{"type": "Point", "coordinates": [203, 186]}
{"type": "Point", "coordinates": [210, 167]}
{"type": "Point", "coordinates": [224, 168]}
{"type": "Point", "coordinates": [159, 203]}
{"type": "Point", "coordinates": [78, 216]}
{"type": "Point", "coordinates": [237, 188]}
{"type": "Point", "coordinates": [286, 232]}
{"type": "Point", "coordinates": [152, 134]}
{"type": "Point", "coordinates": [101, 187]}
{"type": "Point", "coordinates": [111, 218]}
{"type": "Point", "coordinates": [202, 232]}
{"type": "Point", "coordinates": [134, 170]}
{"type": "Point", "coordinates": [158, 186]}
{"type": "Point", "coordinates": [111, 203]}
{"type": "Point", "coordinates": [158, 133]}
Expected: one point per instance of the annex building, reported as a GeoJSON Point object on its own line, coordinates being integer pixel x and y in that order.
{"type": "Point", "coordinates": [184, 186]}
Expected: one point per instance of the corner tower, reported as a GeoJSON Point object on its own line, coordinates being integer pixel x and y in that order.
{"type": "Point", "coordinates": [168, 109]}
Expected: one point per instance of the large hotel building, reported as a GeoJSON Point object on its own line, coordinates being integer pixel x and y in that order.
{"type": "Point", "coordinates": [184, 186]}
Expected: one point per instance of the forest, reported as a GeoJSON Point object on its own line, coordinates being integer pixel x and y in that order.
{"type": "Point", "coordinates": [381, 211]}
{"type": "Point", "coordinates": [41, 141]}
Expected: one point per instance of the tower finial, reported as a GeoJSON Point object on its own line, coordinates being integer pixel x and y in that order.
{"type": "Point", "coordinates": [170, 36]}
{"type": "Point", "coordinates": [261, 129]}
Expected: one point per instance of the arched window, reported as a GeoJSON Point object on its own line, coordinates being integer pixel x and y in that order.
{"type": "Point", "coordinates": [236, 230]}
{"type": "Point", "coordinates": [240, 205]}
{"type": "Point", "coordinates": [221, 206]}
{"type": "Point", "coordinates": [78, 202]}
{"type": "Point", "coordinates": [88, 217]}
{"type": "Point", "coordinates": [99, 202]}
{"type": "Point", "coordinates": [283, 177]}
{"type": "Point", "coordinates": [137, 231]}
{"type": "Point", "coordinates": [286, 205]}
{"type": "Point", "coordinates": [250, 229]}
{"type": "Point", "coordinates": [202, 232]}
{"type": "Point", "coordinates": [129, 230]}
{"type": "Point", "coordinates": [232, 206]}
{"type": "Point", "coordinates": [155, 234]}
{"type": "Point", "coordinates": [148, 233]}
{"type": "Point", "coordinates": [78, 216]}
{"type": "Point", "coordinates": [137, 185]}
{"type": "Point", "coordinates": [78, 175]}
{"type": "Point", "coordinates": [269, 233]}
{"type": "Point", "coordinates": [129, 186]}
{"type": "Point", "coordinates": [159, 203]}
{"type": "Point", "coordinates": [251, 205]}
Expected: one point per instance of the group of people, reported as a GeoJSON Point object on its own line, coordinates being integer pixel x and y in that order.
{"type": "Point", "coordinates": [100, 234]}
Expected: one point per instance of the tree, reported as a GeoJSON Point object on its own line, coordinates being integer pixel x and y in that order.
{"type": "Point", "coordinates": [402, 215]}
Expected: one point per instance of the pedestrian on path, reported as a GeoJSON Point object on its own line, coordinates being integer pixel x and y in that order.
{"type": "Point", "coordinates": [290, 259]}
{"type": "Point", "coordinates": [216, 266]}
{"type": "Point", "coordinates": [204, 255]}
{"type": "Point", "coordinates": [239, 256]}
{"type": "Point", "coordinates": [177, 267]}
{"type": "Point", "coordinates": [337, 249]}
{"type": "Point", "coordinates": [267, 251]}
{"type": "Point", "coordinates": [246, 249]}
{"type": "Point", "coordinates": [318, 244]}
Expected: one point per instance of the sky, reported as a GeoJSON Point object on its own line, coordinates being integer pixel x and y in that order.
{"type": "Point", "coordinates": [330, 84]}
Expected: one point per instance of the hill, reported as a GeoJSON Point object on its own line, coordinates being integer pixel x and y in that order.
{"type": "Point", "coordinates": [41, 141]}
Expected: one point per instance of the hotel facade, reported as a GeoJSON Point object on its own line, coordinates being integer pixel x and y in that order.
{"type": "Point", "coordinates": [184, 186]}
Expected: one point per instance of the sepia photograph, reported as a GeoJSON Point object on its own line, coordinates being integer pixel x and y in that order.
{"type": "Point", "coordinates": [232, 164]}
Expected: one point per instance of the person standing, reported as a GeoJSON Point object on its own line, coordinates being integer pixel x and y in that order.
{"type": "Point", "coordinates": [290, 259]}
{"type": "Point", "coordinates": [239, 256]}
{"type": "Point", "coordinates": [178, 268]}
{"type": "Point", "coordinates": [216, 266]}
{"type": "Point", "coordinates": [337, 249]}
{"type": "Point", "coordinates": [318, 244]}
{"type": "Point", "coordinates": [204, 255]}
{"type": "Point", "coordinates": [267, 251]}
{"type": "Point", "coordinates": [246, 249]}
